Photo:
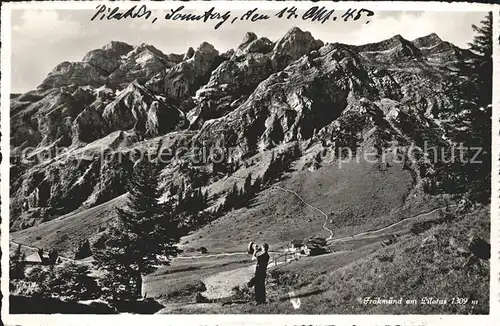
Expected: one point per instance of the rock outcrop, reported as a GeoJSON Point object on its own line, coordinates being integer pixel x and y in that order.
{"type": "Point", "coordinates": [183, 79]}
{"type": "Point", "coordinates": [78, 73]}
{"type": "Point", "coordinates": [136, 108]}
{"type": "Point", "coordinates": [108, 58]}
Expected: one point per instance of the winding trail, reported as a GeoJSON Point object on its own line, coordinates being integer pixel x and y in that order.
{"type": "Point", "coordinates": [331, 240]}
{"type": "Point", "coordinates": [406, 220]}
{"type": "Point", "coordinates": [311, 206]}
{"type": "Point", "coordinates": [302, 200]}
{"type": "Point", "coordinates": [212, 255]}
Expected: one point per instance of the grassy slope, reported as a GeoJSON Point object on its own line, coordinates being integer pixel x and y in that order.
{"type": "Point", "coordinates": [433, 264]}
{"type": "Point", "coordinates": [357, 197]}
{"type": "Point", "coordinates": [65, 232]}
{"type": "Point", "coordinates": [428, 265]}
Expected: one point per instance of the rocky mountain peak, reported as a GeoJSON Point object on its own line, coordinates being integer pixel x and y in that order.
{"type": "Point", "coordinates": [149, 48]}
{"type": "Point", "coordinates": [295, 31]}
{"type": "Point", "coordinates": [294, 44]}
{"type": "Point", "coordinates": [251, 43]}
{"type": "Point", "coordinates": [183, 79]}
{"type": "Point", "coordinates": [137, 108]}
{"type": "Point", "coordinates": [249, 37]}
{"type": "Point", "coordinates": [78, 73]}
{"type": "Point", "coordinates": [427, 41]}
{"type": "Point", "coordinates": [263, 96]}
{"type": "Point", "coordinates": [108, 57]}
{"type": "Point", "coordinates": [207, 48]}
{"type": "Point", "coordinates": [189, 54]}
{"type": "Point", "coordinates": [396, 41]}
{"type": "Point", "coordinates": [117, 47]}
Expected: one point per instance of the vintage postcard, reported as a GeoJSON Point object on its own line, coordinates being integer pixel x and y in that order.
{"type": "Point", "coordinates": [250, 162]}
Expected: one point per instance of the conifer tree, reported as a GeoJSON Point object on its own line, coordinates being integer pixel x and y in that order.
{"type": "Point", "coordinates": [247, 188]}
{"type": "Point", "coordinates": [479, 135]}
{"type": "Point", "coordinates": [145, 230]}
{"type": "Point", "coordinates": [482, 43]}
{"type": "Point", "coordinates": [17, 264]}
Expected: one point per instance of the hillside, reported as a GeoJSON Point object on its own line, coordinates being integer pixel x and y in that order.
{"type": "Point", "coordinates": [270, 142]}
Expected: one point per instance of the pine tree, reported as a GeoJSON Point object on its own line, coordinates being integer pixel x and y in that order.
{"type": "Point", "coordinates": [83, 250]}
{"type": "Point", "coordinates": [232, 198]}
{"type": "Point", "coordinates": [145, 229]}
{"type": "Point", "coordinates": [479, 135]}
{"type": "Point", "coordinates": [483, 41]}
{"type": "Point", "coordinates": [205, 198]}
{"type": "Point", "coordinates": [247, 188]}
{"type": "Point", "coordinates": [482, 44]}
{"type": "Point", "coordinates": [17, 264]}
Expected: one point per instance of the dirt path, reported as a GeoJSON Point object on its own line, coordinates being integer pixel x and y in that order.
{"type": "Point", "coordinates": [306, 203]}
{"type": "Point", "coordinates": [221, 285]}
{"type": "Point", "coordinates": [211, 255]}
{"type": "Point", "coordinates": [381, 230]}
{"type": "Point", "coordinates": [330, 240]}
{"type": "Point", "coordinates": [311, 206]}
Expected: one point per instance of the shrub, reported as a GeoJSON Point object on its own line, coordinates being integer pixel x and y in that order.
{"type": "Point", "coordinates": [69, 281]}
{"type": "Point", "coordinates": [83, 250]}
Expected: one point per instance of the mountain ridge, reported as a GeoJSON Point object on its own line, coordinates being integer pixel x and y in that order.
{"type": "Point", "coordinates": [264, 97]}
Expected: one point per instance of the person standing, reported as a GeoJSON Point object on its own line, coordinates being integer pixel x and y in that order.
{"type": "Point", "coordinates": [262, 256]}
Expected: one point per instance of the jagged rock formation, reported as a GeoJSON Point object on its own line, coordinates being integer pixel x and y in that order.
{"type": "Point", "coordinates": [136, 108]}
{"type": "Point", "coordinates": [183, 79]}
{"type": "Point", "coordinates": [264, 94]}
{"type": "Point", "coordinates": [108, 57]}
{"type": "Point", "coordinates": [254, 61]}
{"type": "Point", "coordinates": [68, 73]}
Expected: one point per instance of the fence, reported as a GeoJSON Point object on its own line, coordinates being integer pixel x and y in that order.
{"type": "Point", "coordinates": [283, 258]}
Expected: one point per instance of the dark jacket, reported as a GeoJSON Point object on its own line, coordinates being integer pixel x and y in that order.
{"type": "Point", "coordinates": [261, 268]}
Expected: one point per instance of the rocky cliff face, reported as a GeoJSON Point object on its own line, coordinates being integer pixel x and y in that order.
{"type": "Point", "coordinates": [90, 117]}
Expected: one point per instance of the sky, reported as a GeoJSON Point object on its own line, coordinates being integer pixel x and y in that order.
{"type": "Point", "coordinates": [41, 39]}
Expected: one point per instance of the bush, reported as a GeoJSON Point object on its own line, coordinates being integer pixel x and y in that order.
{"type": "Point", "coordinates": [83, 250]}
{"type": "Point", "coordinates": [70, 282]}
{"type": "Point", "coordinates": [203, 250]}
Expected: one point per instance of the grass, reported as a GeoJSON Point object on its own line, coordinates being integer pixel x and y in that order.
{"type": "Point", "coordinates": [356, 198]}
{"type": "Point", "coordinates": [65, 232]}
{"type": "Point", "coordinates": [434, 264]}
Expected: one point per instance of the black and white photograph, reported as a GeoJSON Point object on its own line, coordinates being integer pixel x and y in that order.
{"type": "Point", "coordinates": [248, 158]}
